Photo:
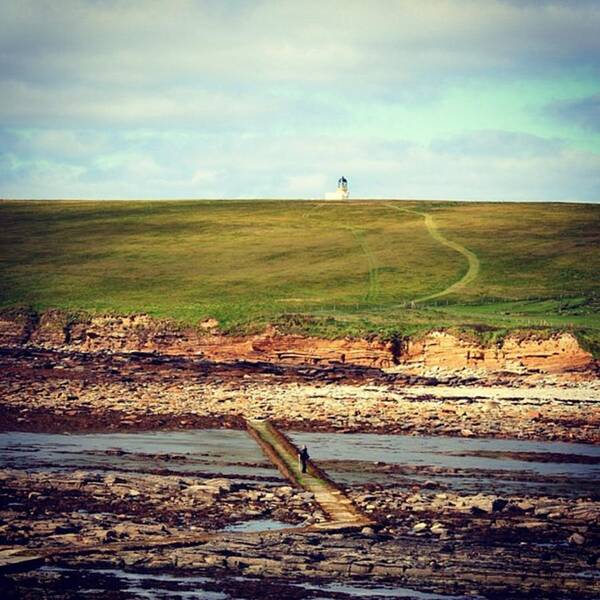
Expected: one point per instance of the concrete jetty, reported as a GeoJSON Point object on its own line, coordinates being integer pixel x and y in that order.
{"type": "Point", "coordinates": [340, 509]}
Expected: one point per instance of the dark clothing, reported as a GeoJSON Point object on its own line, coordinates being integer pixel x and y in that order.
{"type": "Point", "coordinates": [303, 457]}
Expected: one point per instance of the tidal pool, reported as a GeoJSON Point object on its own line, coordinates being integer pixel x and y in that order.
{"type": "Point", "coordinates": [72, 583]}
{"type": "Point", "coordinates": [258, 525]}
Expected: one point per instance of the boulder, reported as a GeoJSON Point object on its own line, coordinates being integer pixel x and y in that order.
{"type": "Point", "coordinates": [576, 539]}
{"type": "Point", "coordinates": [420, 527]}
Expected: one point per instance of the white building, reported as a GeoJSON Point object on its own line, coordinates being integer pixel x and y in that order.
{"type": "Point", "coordinates": [342, 191]}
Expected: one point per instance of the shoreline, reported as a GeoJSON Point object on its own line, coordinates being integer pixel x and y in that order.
{"type": "Point", "coordinates": [497, 533]}
{"type": "Point", "coordinates": [44, 390]}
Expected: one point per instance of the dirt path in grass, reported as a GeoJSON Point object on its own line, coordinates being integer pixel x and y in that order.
{"type": "Point", "coordinates": [341, 511]}
{"type": "Point", "coordinates": [472, 259]}
{"type": "Point", "coordinates": [432, 228]}
{"type": "Point", "coordinates": [373, 289]}
{"type": "Point", "coordinates": [359, 235]}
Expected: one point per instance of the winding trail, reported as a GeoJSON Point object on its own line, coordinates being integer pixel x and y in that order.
{"type": "Point", "coordinates": [342, 512]}
{"type": "Point", "coordinates": [308, 212]}
{"type": "Point", "coordinates": [472, 259]}
{"type": "Point", "coordinates": [433, 230]}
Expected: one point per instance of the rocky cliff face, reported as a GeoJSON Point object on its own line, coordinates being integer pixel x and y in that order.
{"type": "Point", "coordinates": [558, 353]}
{"type": "Point", "coordinates": [141, 333]}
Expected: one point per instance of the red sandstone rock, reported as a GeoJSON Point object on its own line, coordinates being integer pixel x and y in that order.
{"type": "Point", "coordinates": [141, 333]}
{"type": "Point", "coordinates": [51, 330]}
{"type": "Point", "coordinates": [554, 354]}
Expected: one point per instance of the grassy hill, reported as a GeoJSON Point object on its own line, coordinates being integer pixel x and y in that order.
{"type": "Point", "coordinates": [328, 268]}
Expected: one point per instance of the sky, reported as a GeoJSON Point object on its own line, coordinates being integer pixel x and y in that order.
{"type": "Point", "coordinates": [436, 99]}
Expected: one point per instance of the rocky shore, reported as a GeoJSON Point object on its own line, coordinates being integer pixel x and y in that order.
{"type": "Point", "coordinates": [488, 543]}
{"type": "Point", "coordinates": [482, 544]}
{"type": "Point", "coordinates": [44, 390]}
{"type": "Point", "coordinates": [53, 509]}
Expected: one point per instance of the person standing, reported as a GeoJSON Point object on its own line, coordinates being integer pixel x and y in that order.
{"type": "Point", "coordinates": [303, 458]}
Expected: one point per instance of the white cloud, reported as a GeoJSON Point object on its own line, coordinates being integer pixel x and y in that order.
{"type": "Point", "coordinates": [198, 98]}
{"type": "Point", "coordinates": [260, 166]}
{"type": "Point", "coordinates": [203, 176]}
{"type": "Point", "coordinates": [153, 60]}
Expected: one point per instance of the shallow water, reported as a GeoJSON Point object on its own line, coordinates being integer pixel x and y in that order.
{"type": "Point", "coordinates": [149, 586]}
{"type": "Point", "coordinates": [379, 591]}
{"type": "Point", "coordinates": [258, 525]}
{"type": "Point", "coordinates": [224, 451]}
{"type": "Point", "coordinates": [350, 458]}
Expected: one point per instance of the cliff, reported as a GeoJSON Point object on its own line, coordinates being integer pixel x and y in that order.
{"type": "Point", "coordinates": [555, 353]}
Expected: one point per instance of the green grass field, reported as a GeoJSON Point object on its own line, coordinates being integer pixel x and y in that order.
{"type": "Point", "coordinates": [328, 268]}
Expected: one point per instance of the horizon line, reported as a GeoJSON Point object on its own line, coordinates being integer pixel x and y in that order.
{"type": "Point", "coordinates": [275, 199]}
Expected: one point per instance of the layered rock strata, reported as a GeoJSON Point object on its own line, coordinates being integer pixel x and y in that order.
{"type": "Point", "coordinates": [482, 544]}
{"type": "Point", "coordinates": [140, 333]}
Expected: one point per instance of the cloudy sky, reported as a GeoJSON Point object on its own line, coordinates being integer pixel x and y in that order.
{"type": "Point", "coordinates": [455, 99]}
